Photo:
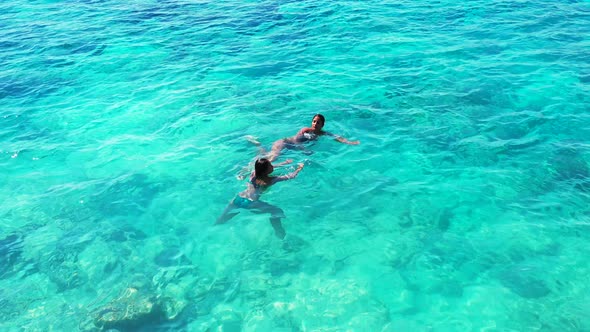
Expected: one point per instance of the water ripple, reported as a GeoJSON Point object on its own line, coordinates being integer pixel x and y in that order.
{"type": "Point", "coordinates": [122, 128]}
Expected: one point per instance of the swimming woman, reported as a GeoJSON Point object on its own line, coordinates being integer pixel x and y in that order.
{"type": "Point", "coordinates": [259, 181]}
{"type": "Point", "coordinates": [304, 135]}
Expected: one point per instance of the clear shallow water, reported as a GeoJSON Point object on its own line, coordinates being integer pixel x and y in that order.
{"type": "Point", "coordinates": [464, 208]}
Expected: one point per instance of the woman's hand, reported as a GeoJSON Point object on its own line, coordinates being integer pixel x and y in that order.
{"type": "Point", "coordinates": [345, 141]}
{"type": "Point", "coordinates": [288, 161]}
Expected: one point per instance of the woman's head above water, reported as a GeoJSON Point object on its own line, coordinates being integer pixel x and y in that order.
{"type": "Point", "coordinates": [318, 121]}
{"type": "Point", "coordinates": [263, 167]}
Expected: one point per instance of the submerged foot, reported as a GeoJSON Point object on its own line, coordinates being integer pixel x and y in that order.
{"type": "Point", "coordinates": [278, 227]}
{"type": "Point", "coordinates": [280, 233]}
{"type": "Point", "coordinates": [252, 140]}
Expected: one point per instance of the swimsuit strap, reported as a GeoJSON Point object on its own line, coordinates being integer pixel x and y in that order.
{"type": "Point", "coordinates": [253, 181]}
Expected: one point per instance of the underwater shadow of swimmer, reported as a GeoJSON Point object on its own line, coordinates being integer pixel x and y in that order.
{"type": "Point", "coordinates": [126, 196]}
{"type": "Point", "coordinates": [523, 282]}
{"type": "Point", "coordinates": [171, 257]}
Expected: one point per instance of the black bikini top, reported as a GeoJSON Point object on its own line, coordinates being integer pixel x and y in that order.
{"type": "Point", "coordinates": [253, 182]}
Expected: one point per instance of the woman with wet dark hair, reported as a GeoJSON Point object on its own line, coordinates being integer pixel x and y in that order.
{"type": "Point", "coordinates": [304, 135]}
{"type": "Point", "coordinates": [259, 181]}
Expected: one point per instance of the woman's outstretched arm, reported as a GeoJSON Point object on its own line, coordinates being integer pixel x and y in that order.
{"type": "Point", "coordinates": [288, 176]}
{"type": "Point", "coordinates": [342, 139]}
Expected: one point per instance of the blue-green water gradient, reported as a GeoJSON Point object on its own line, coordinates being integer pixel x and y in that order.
{"type": "Point", "coordinates": [123, 127]}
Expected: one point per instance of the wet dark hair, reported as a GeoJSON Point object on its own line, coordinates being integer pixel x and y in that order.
{"type": "Point", "coordinates": [321, 118]}
{"type": "Point", "coordinates": [261, 167]}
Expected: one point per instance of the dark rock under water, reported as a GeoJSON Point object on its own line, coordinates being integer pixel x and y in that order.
{"type": "Point", "coordinates": [126, 233]}
{"type": "Point", "coordinates": [127, 196]}
{"type": "Point", "coordinates": [63, 269]}
{"type": "Point", "coordinates": [10, 252]}
{"type": "Point", "coordinates": [133, 310]}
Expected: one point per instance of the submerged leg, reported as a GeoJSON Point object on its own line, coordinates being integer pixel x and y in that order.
{"type": "Point", "coordinates": [227, 214]}
{"type": "Point", "coordinates": [276, 213]}
{"type": "Point", "coordinates": [278, 227]}
{"type": "Point", "coordinates": [253, 140]}
{"type": "Point", "coordinates": [276, 149]}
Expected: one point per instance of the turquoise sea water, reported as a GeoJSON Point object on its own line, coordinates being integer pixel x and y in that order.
{"type": "Point", "coordinates": [464, 208]}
